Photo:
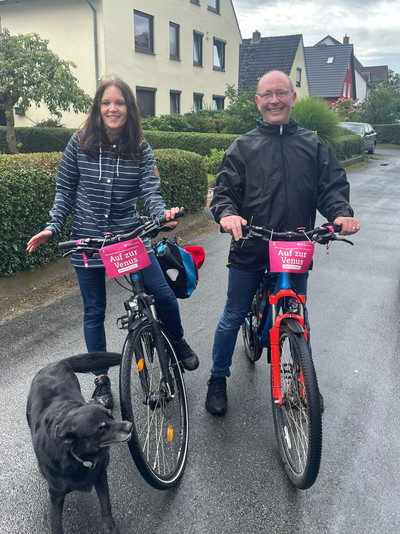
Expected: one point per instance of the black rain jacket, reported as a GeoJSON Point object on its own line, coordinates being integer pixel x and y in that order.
{"type": "Point", "coordinates": [278, 176]}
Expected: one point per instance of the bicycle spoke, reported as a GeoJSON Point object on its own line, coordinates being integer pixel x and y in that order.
{"type": "Point", "coordinates": [159, 444]}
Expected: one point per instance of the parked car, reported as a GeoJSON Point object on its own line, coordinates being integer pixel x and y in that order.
{"type": "Point", "coordinates": [365, 131]}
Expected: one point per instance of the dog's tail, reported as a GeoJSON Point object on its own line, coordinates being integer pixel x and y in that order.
{"type": "Point", "coordinates": [84, 363]}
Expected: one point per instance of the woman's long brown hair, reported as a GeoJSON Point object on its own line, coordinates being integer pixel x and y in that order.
{"type": "Point", "coordinates": [93, 131]}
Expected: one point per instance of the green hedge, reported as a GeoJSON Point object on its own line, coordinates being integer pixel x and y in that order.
{"type": "Point", "coordinates": [347, 146]}
{"type": "Point", "coordinates": [201, 143]}
{"type": "Point", "coordinates": [388, 133]}
{"type": "Point", "coordinates": [36, 139]}
{"type": "Point", "coordinates": [27, 187]}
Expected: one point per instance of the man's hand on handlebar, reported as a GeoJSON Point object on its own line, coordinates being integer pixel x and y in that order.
{"type": "Point", "coordinates": [170, 216]}
{"type": "Point", "coordinates": [349, 225]}
{"type": "Point", "coordinates": [232, 224]}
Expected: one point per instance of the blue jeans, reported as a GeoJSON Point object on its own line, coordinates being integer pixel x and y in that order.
{"type": "Point", "coordinates": [242, 286]}
{"type": "Point", "coordinates": [93, 291]}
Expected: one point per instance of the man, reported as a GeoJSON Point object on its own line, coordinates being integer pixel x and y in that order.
{"type": "Point", "coordinates": [277, 175]}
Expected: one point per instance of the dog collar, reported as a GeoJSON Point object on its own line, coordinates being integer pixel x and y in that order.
{"type": "Point", "coordinates": [85, 463]}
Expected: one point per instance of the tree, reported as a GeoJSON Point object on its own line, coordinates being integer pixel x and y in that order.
{"type": "Point", "coordinates": [383, 104]}
{"type": "Point", "coordinates": [241, 115]}
{"type": "Point", "coordinates": [31, 73]}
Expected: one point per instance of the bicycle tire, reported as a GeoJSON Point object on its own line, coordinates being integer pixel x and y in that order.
{"type": "Point", "coordinates": [249, 331]}
{"type": "Point", "coordinates": [298, 421]}
{"type": "Point", "coordinates": [159, 442]}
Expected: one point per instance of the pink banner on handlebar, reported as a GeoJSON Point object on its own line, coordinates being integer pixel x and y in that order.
{"type": "Point", "coordinates": [290, 256]}
{"type": "Point", "coordinates": [123, 258]}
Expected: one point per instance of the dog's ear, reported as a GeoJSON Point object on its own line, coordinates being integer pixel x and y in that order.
{"type": "Point", "coordinates": [66, 433]}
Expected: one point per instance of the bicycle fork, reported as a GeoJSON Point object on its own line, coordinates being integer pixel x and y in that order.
{"type": "Point", "coordinates": [283, 290]}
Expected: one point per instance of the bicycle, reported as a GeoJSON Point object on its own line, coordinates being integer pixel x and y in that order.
{"type": "Point", "coordinates": [280, 327]}
{"type": "Point", "coordinates": [152, 390]}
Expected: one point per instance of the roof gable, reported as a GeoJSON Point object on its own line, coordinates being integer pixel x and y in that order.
{"type": "Point", "coordinates": [269, 53]}
{"type": "Point", "coordinates": [326, 79]}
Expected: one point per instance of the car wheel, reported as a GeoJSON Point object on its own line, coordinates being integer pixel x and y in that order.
{"type": "Point", "coordinates": [372, 149]}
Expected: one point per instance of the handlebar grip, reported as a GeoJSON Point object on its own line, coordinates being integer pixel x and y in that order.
{"type": "Point", "coordinates": [66, 245]}
{"type": "Point", "coordinates": [162, 220]}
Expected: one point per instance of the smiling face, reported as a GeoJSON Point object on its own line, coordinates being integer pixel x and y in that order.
{"type": "Point", "coordinates": [113, 111]}
{"type": "Point", "coordinates": [275, 110]}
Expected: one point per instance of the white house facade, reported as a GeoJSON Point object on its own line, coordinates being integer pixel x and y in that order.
{"type": "Point", "coordinates": [177, 55]}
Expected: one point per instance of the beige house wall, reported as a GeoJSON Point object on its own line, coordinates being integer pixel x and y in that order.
{"type": "Point", "coordinates": [300, 62]}
{"type": "Point", "coordinates": [69, 28]}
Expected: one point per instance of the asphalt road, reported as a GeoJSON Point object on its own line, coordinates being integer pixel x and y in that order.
{"type": "Point", "coordinates": [234, 482]}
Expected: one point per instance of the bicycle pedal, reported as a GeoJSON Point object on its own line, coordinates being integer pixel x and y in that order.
{"type": "Point", "coordinates": [123, 322]}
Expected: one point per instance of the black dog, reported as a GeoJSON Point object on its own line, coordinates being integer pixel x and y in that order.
{"type": "Point", "coordinates": [70, 437]}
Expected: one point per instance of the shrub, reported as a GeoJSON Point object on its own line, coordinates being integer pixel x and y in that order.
{"type": "Point", "coordinates": [201, 122]}
{"type": "Point", "coordinates": [316, 115]}
{"type": "Point", "coordinates": [241, 115]}
{"type": "Point", "coordinates": [167, 123]}
{"type": "Point", "coordinates": [388, 133]}
{"type": "Point", "coordinates": [213, 161]}
{"type": "Point", "coordinates": [347, 110]}
{"type": "Point", "coordinates": [37, 139]}
{"type": "Point", "coordinates": [347, 145]}
{"type": "Point", "coordinates": [183, 179]}
{"type": "Point", "coordinates": [193, 142]}
{"type": "Point", "coordinates": [27, 187]}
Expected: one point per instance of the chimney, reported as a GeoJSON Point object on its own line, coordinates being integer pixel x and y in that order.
{"type": "Point", "coordinates": [346, 39]}
{"type": "Point", "coordinates": [256, 36]}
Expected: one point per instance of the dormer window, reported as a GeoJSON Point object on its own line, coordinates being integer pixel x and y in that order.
{"type": "Point", "coordinates": [330, 59]}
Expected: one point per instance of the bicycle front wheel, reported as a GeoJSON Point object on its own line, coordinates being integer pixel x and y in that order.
{"type": "Point", "coordinates": [298, 420]}
{"type": "Point", "coordinates": [159, 442]}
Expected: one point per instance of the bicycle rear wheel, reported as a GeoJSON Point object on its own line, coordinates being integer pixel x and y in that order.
{"type": "Point", "coordinates": [298, 421]}
{"type": "Point", "coordinates": [159, 442]}
{"type": "Point", "coordinates": [249, 331]}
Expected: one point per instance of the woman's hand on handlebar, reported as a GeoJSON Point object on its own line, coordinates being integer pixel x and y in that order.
{"type": "Point", "coordinates": [170, 216]}
{"type": "Point", "coordinates": [38, 239]}
{"type": "Point", "coordinates": [349, 225]}
{"type": "Point", "coordinates": [232, 224]}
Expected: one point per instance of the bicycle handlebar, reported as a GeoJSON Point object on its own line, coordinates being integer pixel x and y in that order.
{"type": "Point", "coordinates": [149, 228]}
{"type": "Point", "coordinates": [322, 234]}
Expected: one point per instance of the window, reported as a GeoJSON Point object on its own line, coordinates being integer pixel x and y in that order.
{"type": "Point", "coordinates": [143, 32]}
{"type": "Point", "coordinates": [173, 40]}
{"type": "Point", "coordinates": [349, 90]}
{"type": "Point", "coordinates": [330, 59]}
{"type": "Point", "coordinates": [213, 5]}
{"type": "Point", "coordinates": [344, 89]}
{"type": "Point", "coordinates": [197, 2]}
{"type": "Point", "coordinates": [174, 102]}
{"type": "Point", "coordinates": [218, 102]}
{"type": "Point", "coordinates": [298, 77]}
{"type": "Point", "coordinates": [197, 101]}
{"type": "Point", "coordinates": [145, 98]}
{"type": "Point", "coordinates": [197, 49]}
{"type": "Point", "coordinates": [219, 54]}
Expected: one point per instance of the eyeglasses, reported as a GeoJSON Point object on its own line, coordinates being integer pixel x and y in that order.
{"type": "Point", "coordinates": [280, 95]}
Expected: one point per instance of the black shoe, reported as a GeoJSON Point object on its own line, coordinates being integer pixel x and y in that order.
{"type": "Point", "coordinates": [102, 393]}
{"type": "Point", "coordinates": [217, 401]}
{"type": "Point", "coordinates": [186, 355]}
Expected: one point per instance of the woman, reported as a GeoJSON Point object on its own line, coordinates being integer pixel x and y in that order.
{"type": "Point", "coordinates": [106, 166]}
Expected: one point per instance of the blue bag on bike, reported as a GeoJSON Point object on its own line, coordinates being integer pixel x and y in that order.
{"type": "Point", "coordinates": [180, 265]}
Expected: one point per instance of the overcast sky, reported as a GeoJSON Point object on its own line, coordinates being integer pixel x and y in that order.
{"type": "Point", "coordinates": [372, 25]}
